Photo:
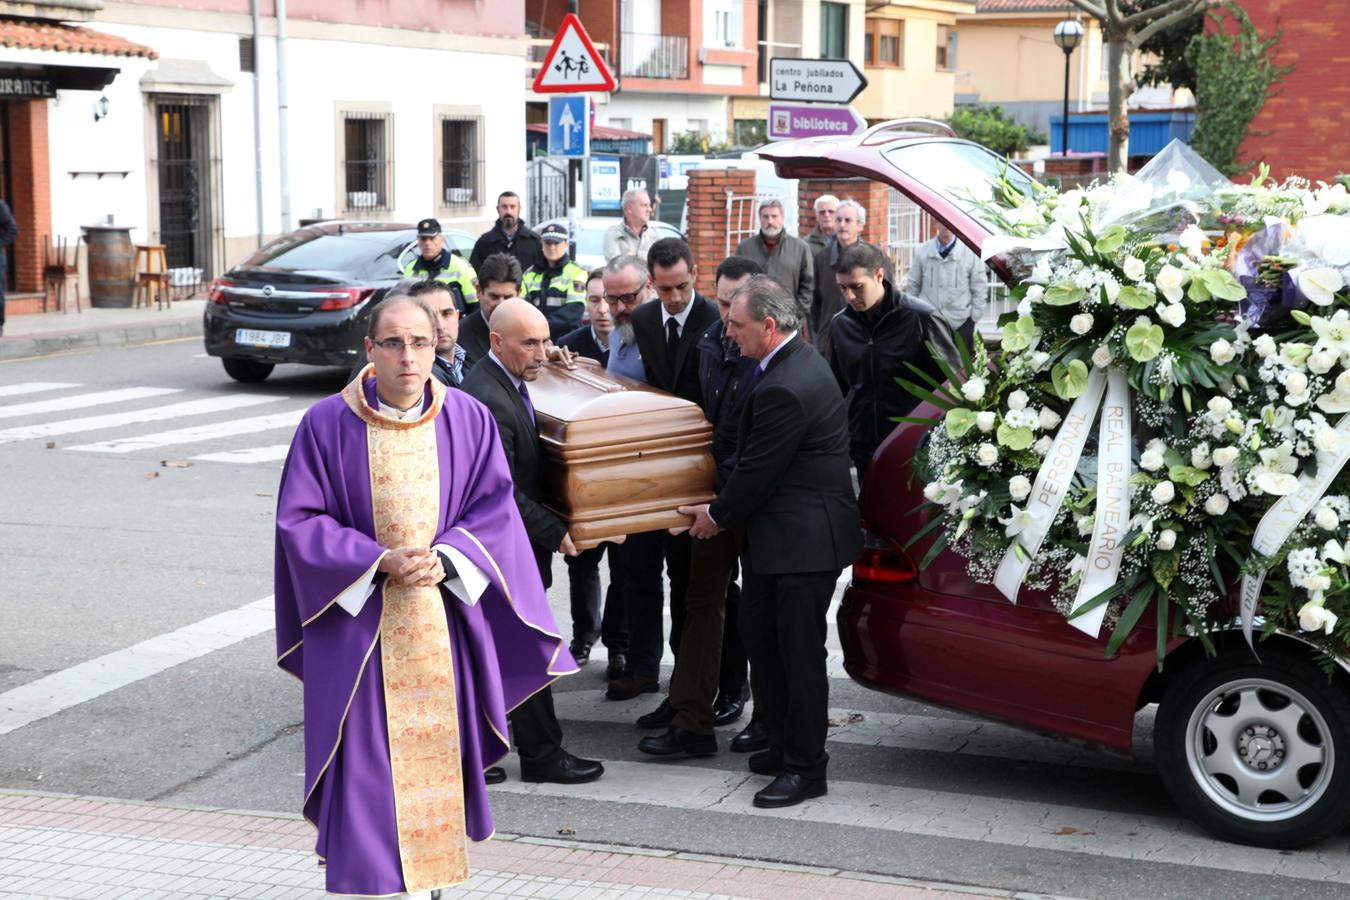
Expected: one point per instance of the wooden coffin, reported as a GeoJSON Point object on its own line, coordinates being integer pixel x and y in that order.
{"type": "Point", "coordinates": [619, 456]}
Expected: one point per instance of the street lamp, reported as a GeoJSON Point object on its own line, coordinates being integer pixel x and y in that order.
{"type": "Point", "coordinates": [1068, 34]}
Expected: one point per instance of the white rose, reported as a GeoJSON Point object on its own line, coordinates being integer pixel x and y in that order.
{"type": "Point", "coordinates": [1101, 357]}
{"type": "Point", "coordinates": [1112, 288]}
{"type": "Point", "coordinates": [1034, 293]}
{"type": "Point", "coordinates": [1134, 268]}
{"type": "Point", "coordinates": [986, 454]}
{"type": "Point", "coordinates": [1192, 240]}
{"type": "Point", "coordinates": [1316, 617]}
{"type": "Point", "coordinates": [985, 421]}
{"type": "Point", "coordinates": [1019, 487]}
{"type": "Point", "coordinates": [932, 491]}
{"type": "Point", "coordinates": [1225, 457]}
{"type": "Point", "coordinates": [1318, 583]}
{"type": "Point", "coordinates": [1319, 285]}
{"type": "Point", "coordinates": [1169, 282]}
{"type": "Point", "coordinates": [1221, 352]}
{"type": "Point", "coordinates": [1164, 492]}
{"type": "Point", "coordinates": [1327, 520]}
{"type": "Point", "coordinates": [1321, 362]}
{"type": "Point", "coordinates": [1173, 314]}
{"type": "Point", "coordinates": [1017, 400]}
{"type": "Point", "coordinates": [1220, 406]}
{"type": "Point", "coordinates": [1048, 418]}
{"type": "Point", "coordinates": [1327, 439]}
{"type": "Point", "coordinates": [1296, 383]}
{"type": "Point", "coordinates": [973, 390]}
{"type": "Point", "coordinates": [1151, 460]}
{"type": "Point", "coordinates": [1264, 346]}
{"type": "Point", "coordinates": [1081, 323]}
{"type": "Point", "coordinates": [1200, 457]}
{"type": "Point", "coordinates": [1085, 525]}
{"type": "Point", "coordinates": [1042, 446]}
{"type": "Point", "coordinates": [1217, 505]}
{"type": "Point", "coordinates": [1024, 308]}
{"type": "Point", "coordinates": [1167, 539]}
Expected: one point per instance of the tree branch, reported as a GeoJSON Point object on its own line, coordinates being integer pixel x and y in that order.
{"type": "Point", "coordinates": [1144, 16]}
{"type": "Point", "coordinates": [1172, 18]}
{"type": "Point", "coordinates": [1096, 10]}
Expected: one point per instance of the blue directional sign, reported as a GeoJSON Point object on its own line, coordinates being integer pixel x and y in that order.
{"type": "Point", "coordinates": [569, 126]}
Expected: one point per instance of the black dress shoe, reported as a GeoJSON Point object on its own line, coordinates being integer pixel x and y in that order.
{"type": "Point", "coordinates": [661, 717]}
{"type": "Point", "coordinates": [494, 775]}
{"type": "Point", "coordinates": [566, 769]}
{"type": "Point", "coordinates": [676, 741]}
{"type": "Point", "coordinates": [630, 686]}
{"type": "Point", "coordinates": [581, 652]}
{"type": "Point", "coordinates": [754, 736]}
{"type": "Point", "coordinates": [617, 663]}
{"type": "Point", "coordinates": [730, 708]}
{"type": "Point", "coordinates": [766, 762]}
{"type": "Point", "coordinates": [789, 789]}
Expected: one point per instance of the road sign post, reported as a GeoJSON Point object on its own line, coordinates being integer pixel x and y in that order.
{"type": "Point", "coordinates": [572, 63]}
{"type": "Point", "coordinates": [799, 120]}
{"type": "Point", "coordinates": [569, 126]}
{"type": "Point", "coordinates": [815, 80]}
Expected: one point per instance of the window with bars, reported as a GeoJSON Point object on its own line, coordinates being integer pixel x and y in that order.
{"type": "Point", "coordinates": [460, 164]}
{"type": "Point", "coordinates": [368, 161]}
{"type": "Point", "coordinates": [884, 43]}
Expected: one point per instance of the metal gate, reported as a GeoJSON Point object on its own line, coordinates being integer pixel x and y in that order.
{"type": "Point", "coordinates": [188, 165]}
{"type": "Point", "coordinates": [545, 189]}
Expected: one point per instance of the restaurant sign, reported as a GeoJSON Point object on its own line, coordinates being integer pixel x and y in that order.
{"type": "Point", "coordinates": [26, 87]}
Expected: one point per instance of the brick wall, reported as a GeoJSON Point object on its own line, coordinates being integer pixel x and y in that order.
{"type": "Point", "coordinates": [873, 195]}
{"type": "Point", "coordinates": [31, 175]}
{"type": "Point", "coordinates": [707, 199]}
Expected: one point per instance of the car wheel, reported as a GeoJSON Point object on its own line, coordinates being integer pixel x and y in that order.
{"type": "Point", "coordinates": [246, 370]}
{"type": "Point", "coordinates": [1257, 752]}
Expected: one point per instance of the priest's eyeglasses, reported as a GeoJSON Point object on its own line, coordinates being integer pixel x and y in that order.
{"type": "Point", "coordinates": [394, 345]}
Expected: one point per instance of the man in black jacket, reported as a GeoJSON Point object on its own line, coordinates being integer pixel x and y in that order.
{"type": "Point", "coordinates": [9, 233]}
{"type": "Point", "coordinates": [448, 367]}
{"type": "Point", "coordinates": [499, 280]}
{"type": "Point", "coordinates": [508, 235]}
{"type": "Point", "coordinates": [500, 382]}
{"type": "Point", "coordinates": [876, 334]}
{"type": "Point", "coordinates": [791, 496]}
{"type": "Point", "coordinates": [849, 221]}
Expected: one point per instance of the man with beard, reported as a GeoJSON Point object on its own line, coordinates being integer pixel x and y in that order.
{"type": "Point", "coordinates": [627, 286]}
{"type": "Point", "coordinates": [784, 258]}
{"type": "Point", "coordinates": [508, 235]}
{"type": "Point", "coordinates": [819, 238]}
{"type": "Point", "coordinates": [849, 220]}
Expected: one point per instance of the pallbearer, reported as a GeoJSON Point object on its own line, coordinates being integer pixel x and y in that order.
{"type": "Point", "coordinates": [409, 604]}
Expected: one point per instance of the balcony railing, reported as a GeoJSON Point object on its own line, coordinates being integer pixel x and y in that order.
{"type": "Point", "coordinates": [654, 55]}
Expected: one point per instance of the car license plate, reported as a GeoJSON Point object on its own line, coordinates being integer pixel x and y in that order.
{"type": "Point", "coordinates": [256, 338]}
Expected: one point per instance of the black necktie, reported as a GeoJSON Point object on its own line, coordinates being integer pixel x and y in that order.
{"type": "Point", "coordinates": [672, 346]}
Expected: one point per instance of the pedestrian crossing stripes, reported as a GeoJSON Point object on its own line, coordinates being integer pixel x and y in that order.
{"type": "Point", "coordinates": [195, 434]}
{"type": "Point", "coordinates": [33, 387]}
{"type": "Point", "coordinates": [82, 401]}
{"type": "Point", "coordinates": [273, 453]}
{"type": "Point", "coordinates": [130, 417]}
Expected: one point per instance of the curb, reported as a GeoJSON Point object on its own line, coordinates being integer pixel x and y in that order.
{"type": "Point", "coordinates": [31, 346]}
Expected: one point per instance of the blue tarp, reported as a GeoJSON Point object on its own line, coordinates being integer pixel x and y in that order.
{"type": "Point", "coordinates": [1149, 131]}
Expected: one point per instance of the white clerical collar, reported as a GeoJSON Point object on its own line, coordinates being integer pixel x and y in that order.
{"type": "Point", "coordinates": [679, 318]}
{"type": "Point", "coordinates": [400, 415]}
{"type": "Point", "coordinates": [515, 382]}
{"type": "Point", "coordinates": [764, 363]}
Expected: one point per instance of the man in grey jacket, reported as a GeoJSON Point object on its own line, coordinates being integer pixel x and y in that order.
{"type": "Point", "coordinates": [825, 206]}
{"type": "Point", "coordinates": [947, 274]}
{"type": "Point", "coordinates": [784, 258]}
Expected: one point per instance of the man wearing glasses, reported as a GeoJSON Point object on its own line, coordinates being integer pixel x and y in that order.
{"type": "Point", "coordinates": [449, 364]}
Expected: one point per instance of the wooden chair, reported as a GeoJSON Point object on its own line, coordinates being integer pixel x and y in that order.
{"type": "Point", "coordinates": [152, 276]}
{"type": "Point", "coordinates": [60, 263]}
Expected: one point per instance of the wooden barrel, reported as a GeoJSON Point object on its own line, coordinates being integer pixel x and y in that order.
{"type": "Point", "coordinates": [112, 265]}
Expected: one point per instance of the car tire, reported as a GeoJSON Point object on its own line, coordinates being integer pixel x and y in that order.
{"type": "Point", "coordinates": [1257, 752]}
{"type": "Point", "coordinates": [246, 370]}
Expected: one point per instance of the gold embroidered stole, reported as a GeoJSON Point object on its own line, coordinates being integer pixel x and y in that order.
{"type": "Point", "coordinates": [419, 685]}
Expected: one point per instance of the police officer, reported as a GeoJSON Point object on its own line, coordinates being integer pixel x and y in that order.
{"type": "Point", "coordinates": [557, 287]}
{"type": "Point", "coordinates": [437, 263]}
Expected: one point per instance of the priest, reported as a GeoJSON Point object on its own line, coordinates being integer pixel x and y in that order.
{"type": "Point", "coordinates": [409, 604]}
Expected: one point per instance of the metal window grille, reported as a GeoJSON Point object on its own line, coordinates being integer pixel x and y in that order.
{"type": "Point", "coordinates": [742, 217]}
{"type": "Point", "coordinates": [368, 164]}
{"type": "Point", "coordinates": [247, 57]}
{"type": "Point", "coordinates": [188, 170]}
{"type": "Point", "coordinates": [461, 161]}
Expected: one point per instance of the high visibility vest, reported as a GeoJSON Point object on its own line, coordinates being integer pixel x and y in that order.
{"type": "Point", "coordinates": [567, 286]}
{"type": "Point", "coordinates": [458, 273]}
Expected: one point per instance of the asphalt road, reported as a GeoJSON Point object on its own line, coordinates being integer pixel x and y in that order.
{"type": "Point", "coordinates": [128, 521]}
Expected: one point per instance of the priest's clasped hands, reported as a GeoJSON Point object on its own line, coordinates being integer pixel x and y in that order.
{"type": "Point", "coordinates": [413, 567]}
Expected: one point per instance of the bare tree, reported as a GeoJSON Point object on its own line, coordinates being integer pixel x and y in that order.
{"type": "Point", "coordinates": [1124, 32]}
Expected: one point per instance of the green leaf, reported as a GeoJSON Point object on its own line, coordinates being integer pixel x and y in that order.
{"type": "Point", "coordinates": [932, 523]}
{"type": "Point", "coordinates": [1144, 341]}
{"type": "Point", "coordinates": [1071, 380]}
{"type": "Point", "coordinates": [1018, 335]}
{"type": "Point", "coordinates": [1063, 293]}
{"type": "Point", "coordinates": [924, 394]}
{"type": "Point", "coordinates": [934, 550]}
{"type": "Point", "coordinates": [1135, 297]}
{"type": "Point", "coordinates": [959, 421]}
{"type": "Point", "coordinates": [1014, 438]}
{"type": "Point", "coordinates": [1165, 567]}
{"type": "Point", "coordinates": [1111, 240]}
{"type": "Point", "coordinates": [1129, 617]}
{"type": "Point", "coordinates": [1106, 596]}
{"type": "Point", "coordinates": [1188, 475]}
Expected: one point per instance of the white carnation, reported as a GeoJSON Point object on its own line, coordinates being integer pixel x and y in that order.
{"type": "Point", "coordinates": [1264, 346]}
{"type": "Point", "coordinates": [1321, 362]}
{"type": "Point", "coordinates": [973, 390]}
{"type": "Point", "coordinates": [1200, 456]}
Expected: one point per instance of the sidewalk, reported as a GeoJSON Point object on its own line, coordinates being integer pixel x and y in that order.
{"type": "Point", "coordinates": [38, 334]}
{"type": "Point", "coordinates": [63, 846]}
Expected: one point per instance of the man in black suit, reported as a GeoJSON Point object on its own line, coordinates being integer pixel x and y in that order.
{"type": "Point", "coordinates": [448, 365]}
{"type": "Point", "coordinates": [498, 280]}
{"type": "Point", "coordinates": [520, 345]}
{"type": "Point", "coordinates": [790, 498]}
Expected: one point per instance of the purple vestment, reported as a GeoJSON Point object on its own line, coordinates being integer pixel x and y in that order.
{"type": "Point", "coordinates": [505, 648]}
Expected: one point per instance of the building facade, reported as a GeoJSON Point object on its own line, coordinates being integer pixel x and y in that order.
{"type": "Point", "coordinates": [911, 51]}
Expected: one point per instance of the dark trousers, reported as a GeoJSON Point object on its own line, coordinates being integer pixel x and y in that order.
{"type": "Point", "coordinates": [588, 622]}
{"type": "Point", "coordinates": [534, 723]}
{"type": "Point", "coordinates": [735, 666]}
{"type": "Point", "coordinates": [698, 670]}
{"type": "Point", "coordinates": [967, 332]}
{"type": "Point", "coordinates": [639, 560]}
{"type": "Point", "coordinates": [783, 625]}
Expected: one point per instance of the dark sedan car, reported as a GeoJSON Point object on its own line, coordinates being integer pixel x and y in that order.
{"type": "Point", "coordinates": [1257, 750]}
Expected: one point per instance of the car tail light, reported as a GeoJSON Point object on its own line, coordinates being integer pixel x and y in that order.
{"type": "Point", "coordinates": [217, 291]}
{"type": "Point", "coordinates": [345, 298]}
{"type": "Point", "coordinates": [883, 560]}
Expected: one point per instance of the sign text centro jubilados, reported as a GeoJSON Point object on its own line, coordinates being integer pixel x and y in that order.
{"type": "Point", "coordinates": [814, 80]}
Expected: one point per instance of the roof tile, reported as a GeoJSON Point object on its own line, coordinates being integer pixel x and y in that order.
{"type": "Point", "coordinates": [30, 35]}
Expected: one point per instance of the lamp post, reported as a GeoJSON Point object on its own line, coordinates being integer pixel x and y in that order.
{"type": "Point", "coordinates": [1068, 34]}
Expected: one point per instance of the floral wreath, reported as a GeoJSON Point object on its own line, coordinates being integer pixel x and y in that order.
{"type": "Point", "coordinates": [1167, 418]}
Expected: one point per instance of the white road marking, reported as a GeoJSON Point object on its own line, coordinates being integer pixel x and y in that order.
{"type": "Point", "coordinates": [944, 814]}
{"type": "Point", "coordinates": [33, 387]}
{"type": "Point", "coordinates": [80, 401]}
{"type": "Point", "coordinates": [86, 681]}
{"type": "Point", "coordinates": [270, 453]}
{"type": "Point", "coordinates": [153, 414]}
{"type": "Point", "coordinates": [196, 433]}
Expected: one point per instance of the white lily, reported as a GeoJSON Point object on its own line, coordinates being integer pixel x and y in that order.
{"type": "Point", "coordinates": [1333, 334]}
{"type": "Point", "coordinates": [1335, 551]}
{"type": "Point", "coordinates": [1021, 520]}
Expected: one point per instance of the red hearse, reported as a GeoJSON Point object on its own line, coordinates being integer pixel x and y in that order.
{"type": "Point", "coordinates": [1255, 750]}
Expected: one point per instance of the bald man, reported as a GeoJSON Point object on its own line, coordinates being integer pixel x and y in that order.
{"type": "Point", "coordinates": [519, 349]}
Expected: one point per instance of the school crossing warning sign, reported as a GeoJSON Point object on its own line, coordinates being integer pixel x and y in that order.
{"type": "Point", "coordinates": [572, 63]}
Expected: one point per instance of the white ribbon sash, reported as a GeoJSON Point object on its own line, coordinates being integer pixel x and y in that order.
{"type": "Point", "coordinates": [1052, 484]}
{"type": "Point", "coordinates": [1113, 503]}
{"type": "Point", "coordinates": [1281, 519]}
